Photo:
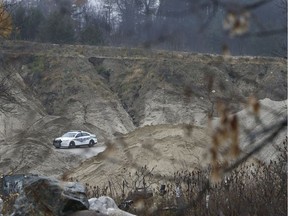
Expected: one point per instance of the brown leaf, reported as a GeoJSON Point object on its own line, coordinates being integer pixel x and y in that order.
{"type": "Point", "coordinates": [213, 151]}
{"type": "Point", "coordinates": [254, 104]}
{"type": "Point", "coordinates": [236, 23]}
{"type": "Point", "coordinates": [234, 123]}
{"type": "Point", "coordinates": [5, 22]}
{"type": "Point", "coordinates": [216, 173]}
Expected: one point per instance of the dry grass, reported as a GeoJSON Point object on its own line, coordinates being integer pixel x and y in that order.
{"type": "Point", "coordinates": [252, 189]}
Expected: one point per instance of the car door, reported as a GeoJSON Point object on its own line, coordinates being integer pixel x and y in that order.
{"type": "Point", "coordinates": [78, 139]}
{"type": "Point", "coordinates": [86, 138]}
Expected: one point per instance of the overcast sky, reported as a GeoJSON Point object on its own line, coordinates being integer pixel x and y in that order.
{"type": "Point", "coordinates": [94, 2]}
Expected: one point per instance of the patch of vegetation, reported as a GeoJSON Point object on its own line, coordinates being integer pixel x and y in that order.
{"type": "Point", "coordinates": [38, 65]}
{"type": "Point", "coordinates": [8, 203]}
{"type": "Point", "coordinates": [253, 189]}
{"type": "Point", "coordinates": [104, 72]}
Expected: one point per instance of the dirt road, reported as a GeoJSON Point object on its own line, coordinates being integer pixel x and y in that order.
{"type": "Point", "coordinates": [84, 152]}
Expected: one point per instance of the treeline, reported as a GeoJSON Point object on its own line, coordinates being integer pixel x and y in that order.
{"type": "Point", "coordinates": [184, 25]}
{"type": "Point", "coordinates": [58, 22]}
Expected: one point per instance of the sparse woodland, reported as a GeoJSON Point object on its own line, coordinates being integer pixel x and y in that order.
{"type": "Point", "coordinates": [210, 26]}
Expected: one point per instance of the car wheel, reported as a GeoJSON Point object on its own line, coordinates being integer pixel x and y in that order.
{"type": "Point", "coordinates": [91, 143]}
{"type": "Point", "coordinates": [57, 147]}
{"type": "Point", "coordinates": [72, 145]}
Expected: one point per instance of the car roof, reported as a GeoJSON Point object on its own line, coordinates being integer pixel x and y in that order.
{"type": "Point", "coordinates": [78, 131]}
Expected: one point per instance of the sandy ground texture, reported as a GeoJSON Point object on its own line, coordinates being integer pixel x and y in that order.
{"type": "Point", "coordinates": [82, 152]}
{"type": "Point", "coordinates": [162, 148]}
{"type": "Point", "coordinates": [166, 149]}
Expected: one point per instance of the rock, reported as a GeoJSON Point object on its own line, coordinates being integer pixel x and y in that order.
{"type": "Point", "coordinates": [103, 201]}
{"type": "Point", "coordinates": [106, 206]}
{"type": "Point", "coordinates": [96, 61]}
{"type": "Point", "coordinates": [87, 213]}
{"type": "Point", "coordinates": [49, 196]}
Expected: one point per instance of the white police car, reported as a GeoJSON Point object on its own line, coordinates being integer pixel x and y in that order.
{"type": "Point", "coordinates": [72, 139]}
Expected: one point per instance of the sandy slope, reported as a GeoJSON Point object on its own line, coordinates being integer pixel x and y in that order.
{"type": "Point", "coordinates": [145, 95]}
{"type": "Point", "coordinates": [165, 148]}
{"type": "Point", "coordinates": [271, 112]}
{"type": "Point", "coordinates": [171, 148]}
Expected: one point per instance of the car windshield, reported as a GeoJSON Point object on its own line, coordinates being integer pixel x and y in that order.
{"type": "Point", "coordinates": [69, 134]}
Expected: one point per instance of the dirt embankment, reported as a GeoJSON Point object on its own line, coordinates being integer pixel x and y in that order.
{"type": "Point", "coordinates": [140, 94]}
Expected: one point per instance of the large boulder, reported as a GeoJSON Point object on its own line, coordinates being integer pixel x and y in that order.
{"type": "Point", "coordinates": [105, 205]}
{"type": "Point", "coordinates": [49, 196]}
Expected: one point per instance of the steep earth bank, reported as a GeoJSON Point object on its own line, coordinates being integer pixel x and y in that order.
{"type": "Point", "coordinates": [118, 91]}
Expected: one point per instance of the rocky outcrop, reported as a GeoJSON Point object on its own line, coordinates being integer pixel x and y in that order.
{"type": "Point", "coordinates": [47, 196]}
{"type": "Point", "coordinates": [50, 197]}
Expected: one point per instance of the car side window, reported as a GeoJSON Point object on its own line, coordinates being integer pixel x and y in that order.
{"type": "Point", "coordinates": [78, 135]}
{"type": "Point", "coordinates": [85, 134]}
